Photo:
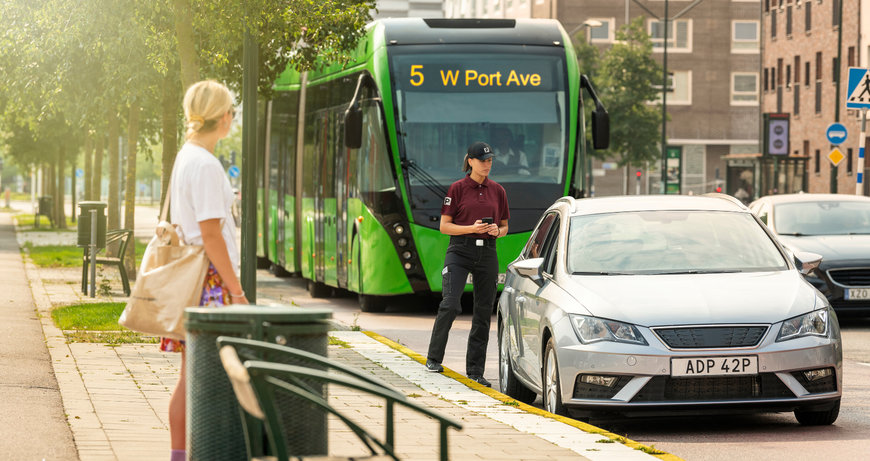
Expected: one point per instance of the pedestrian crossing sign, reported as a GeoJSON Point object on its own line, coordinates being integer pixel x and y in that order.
{"type": "Point", "coordinates": [858, 95]}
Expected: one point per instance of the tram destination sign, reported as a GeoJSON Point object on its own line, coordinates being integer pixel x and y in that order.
{"type": "Point", "coordinates": [520, 73]}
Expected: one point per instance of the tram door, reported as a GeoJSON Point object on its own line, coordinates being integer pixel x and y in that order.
{"type": "Point", "coordinates": [320, 172]}
{"type": "Point", "coordinates": [341, 184]}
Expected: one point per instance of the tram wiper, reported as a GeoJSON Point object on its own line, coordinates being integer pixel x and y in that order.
{"type": "Point", "coordinates": [425, 178]}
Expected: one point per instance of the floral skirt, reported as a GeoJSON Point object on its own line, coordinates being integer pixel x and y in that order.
{"type": "Point", "coordinates": [214, 294]}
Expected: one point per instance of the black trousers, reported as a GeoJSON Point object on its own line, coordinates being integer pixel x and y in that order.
{"type": "Point", "coordinates": [464, 257]}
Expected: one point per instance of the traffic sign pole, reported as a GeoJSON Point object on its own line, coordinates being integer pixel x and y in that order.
{"type": "Point", "coordinates": [859, 177]}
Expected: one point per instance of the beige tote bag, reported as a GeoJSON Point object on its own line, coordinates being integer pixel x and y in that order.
{"type": "Point", "coordinates": [170, 279]}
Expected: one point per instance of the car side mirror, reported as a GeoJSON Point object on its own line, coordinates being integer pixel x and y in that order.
{"type": "Point", "coordinates": [530, 269]}
{"type": "Point", "coordinates": [806, 262]}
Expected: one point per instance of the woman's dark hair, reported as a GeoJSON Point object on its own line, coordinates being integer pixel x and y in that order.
{"type": "Point", "coordinates": [465, 166]}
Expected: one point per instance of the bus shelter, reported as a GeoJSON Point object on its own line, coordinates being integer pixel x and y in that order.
{"type": "Point", "coordinates": [750, 176]}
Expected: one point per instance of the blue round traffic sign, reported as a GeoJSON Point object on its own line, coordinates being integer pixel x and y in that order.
{"type": "Point", "coordinates": [80, 173]}
{"type": "Point", "coordinates": [234, 171]}
{"type": "Point", "coordinates": [836, 133]}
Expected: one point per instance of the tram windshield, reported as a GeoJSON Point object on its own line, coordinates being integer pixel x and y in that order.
{"type": "Point", "coordinates": [514, 98]}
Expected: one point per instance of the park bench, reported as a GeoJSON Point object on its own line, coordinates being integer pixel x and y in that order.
{"type": "Point", "coordinates": [257, 382]}
{"type": "Point", "coordinates": [121, 237]}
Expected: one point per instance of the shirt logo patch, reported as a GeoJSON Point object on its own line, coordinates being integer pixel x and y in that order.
{"type": "Point", "coordinates": [447, 201]}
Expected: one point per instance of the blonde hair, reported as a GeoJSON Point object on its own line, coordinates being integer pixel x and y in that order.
{"type": "Point", "coordinates": [205, 103]}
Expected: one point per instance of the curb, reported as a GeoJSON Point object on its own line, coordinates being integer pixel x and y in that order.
{"type": "Point", "coordinates": [585, 427]}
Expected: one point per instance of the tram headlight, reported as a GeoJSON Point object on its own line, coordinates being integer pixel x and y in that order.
{"type": "Point", "coordinates": [403, 242]}
{"type": "Point", "coordinates": [406, 255]}
{"type": "Point", "coordinates": [399, 229]}
{"type": "Point", "coordinates": [408, 266]}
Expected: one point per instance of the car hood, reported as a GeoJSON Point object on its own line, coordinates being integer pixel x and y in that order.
{"type": "Point", "coordinates": [831, 247]}
{"type": "Point", "coordinates": [690, 299]}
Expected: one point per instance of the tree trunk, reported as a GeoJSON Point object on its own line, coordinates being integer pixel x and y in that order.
{"type": "Point", "coordinates": [185, 39]}
{"type": "Point", "coordinates": [130, 192]}
{"type": "Point", "coordinates": [97, 177]}
{"type": "Point", "coordinates": [114, 211]}
{"type": "Point", "coordinates": [170, 130]}
{"type": "Point", "coordinates": [60, 179]}
{"type": "Point", "coordinates": [89, 166]}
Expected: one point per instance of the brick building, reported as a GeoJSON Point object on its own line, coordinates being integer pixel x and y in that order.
{"type": "Point", "coordinates": [799, 77]}
{"type": "Point", "coordinates": [714, 55]}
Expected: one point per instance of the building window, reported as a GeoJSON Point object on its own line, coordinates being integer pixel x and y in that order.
{"type": "Point", "coordinates": [744, 88]}
{"type": "Point", "coordinates": [849, 161]}
{"type": "Point", "coordinates": [818, 166]}
{"type": "Point", "coordinates": [851, 56]}
{"type": "Point", "coordinates": [788, 76]}
{"type": "Point", "coordinates": [766, 87]}
{"type": "Point", "coordinates": [797, 70]}
{"type": "Point", "coordinates": [680, 83]}
{"type": "Point", "coordinates": [779, 72]}
{"type": "Point", "coordinates": [818, 66]}
{"type": "Point", "coordinates": [808, 15]}
{"type": "Point", "coordinates": [772, 78]}
{"type": "Point", "coordinates": [602, 33]}
{"type": "Point", "coordinates": [681, 41]}
{"type": "Point", "coordinates": [788, 21]}
{"type": "Point", "coordinates": [835, 9]}
{"type": "Point", "coordinates": [772, 23]}
{"type": "Point", "coordinates": [835, 70]}
{"type": "Point", "coordinates": [744, 37]}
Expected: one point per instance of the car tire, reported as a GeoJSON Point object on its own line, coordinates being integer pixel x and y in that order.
{"type": "Point", "coordinates": [319, 290]}
{"type": "Point", "coordinates": [552, 389]}
{"type": "Point", "coordinates": [507, 381]}
{"type": "Point", "coordinates": [818, 418]}
{"type": "Point", "coordinates": [371, 303]}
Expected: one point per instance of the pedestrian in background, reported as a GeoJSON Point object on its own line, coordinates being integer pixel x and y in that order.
{"type": "Point", "coordinates": [474, 214]}
{"type": "Point", "coordinates": [200, 201]}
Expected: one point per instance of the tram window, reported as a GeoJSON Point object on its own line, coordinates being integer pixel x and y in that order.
{"type": "Point", "coordinates": [282, 138]}
{"type": "Point", "coordinates": [374, 174]}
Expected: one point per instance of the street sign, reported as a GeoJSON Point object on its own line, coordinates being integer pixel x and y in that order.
{"type": "Point", "coordinates": [233, 171]}
{"type": "Point", "coordinates": [836, 133]}
{"type": "Point", "coordinates": [776, 127]}
{"type": "Point", "coordinates": [80, 173]}
{"type": "Point", "coordinates": [858, 94]}
{"type": "Point", "coordinates": [836, 157]}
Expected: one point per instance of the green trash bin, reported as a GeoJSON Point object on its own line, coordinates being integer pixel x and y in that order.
{"type": "Point", "coordinates": [214, 428]}
{"type": "Point", "coordinates": [84, 224]}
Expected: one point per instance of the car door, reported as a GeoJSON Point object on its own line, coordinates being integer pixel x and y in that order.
{"type": "Point", "coordinates": [535, 304]}
{"type": "Point", "coordinates": [519, 294]}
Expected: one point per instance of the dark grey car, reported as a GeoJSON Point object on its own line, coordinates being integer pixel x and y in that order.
{"type": "Point", "coordinates": [836, 226]}
{"type": "Point", "coordinates": [666, 304]}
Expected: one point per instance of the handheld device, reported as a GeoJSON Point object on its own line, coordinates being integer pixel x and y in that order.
{"type": "Point", "coordinates": [487, 220]}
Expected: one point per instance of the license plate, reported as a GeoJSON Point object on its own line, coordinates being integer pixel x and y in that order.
{"type": "Point", "coordinates": [468, 280]}
{"type": "Point", "coordinates": [715, 366]}
{"type": "Point", "coordinates": [857, 294]}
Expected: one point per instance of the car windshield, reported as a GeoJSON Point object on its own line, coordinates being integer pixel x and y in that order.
{"type": "Point", "coordinates": [828, 217]}
{"type": "Point", "coordinates": [670, 242]}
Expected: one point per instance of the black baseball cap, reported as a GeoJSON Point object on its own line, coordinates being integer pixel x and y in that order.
{"type": "Point", "coordinates": [480, 151]}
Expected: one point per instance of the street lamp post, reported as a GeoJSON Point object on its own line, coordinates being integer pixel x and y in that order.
{"type": "Point", "coordinates": [588, 25]}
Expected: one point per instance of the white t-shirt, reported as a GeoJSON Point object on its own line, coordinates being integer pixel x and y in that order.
{"type": "Point", "coordinates": [202, 191]}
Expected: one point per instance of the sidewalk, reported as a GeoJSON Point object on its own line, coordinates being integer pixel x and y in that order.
{"type": "Point", "coordinates": [116, 397]}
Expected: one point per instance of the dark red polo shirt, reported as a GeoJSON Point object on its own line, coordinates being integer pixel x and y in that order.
{"type": "Point", "coordinates": [467, 201]}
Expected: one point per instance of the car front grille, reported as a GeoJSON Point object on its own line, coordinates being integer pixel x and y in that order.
{"type": "Point", "coordinates": [666, 388]}
{"type": "Point", "coordinates": [711, 337]}
{"type": "Point", "coordinates": [851, 277]}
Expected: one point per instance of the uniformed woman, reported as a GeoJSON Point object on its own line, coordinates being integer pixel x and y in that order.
{"type": "Point", "coordinates": [474, 214]}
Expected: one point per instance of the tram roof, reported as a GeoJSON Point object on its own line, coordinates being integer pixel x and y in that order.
{"type": "Point", "coordinates": [420, 31]}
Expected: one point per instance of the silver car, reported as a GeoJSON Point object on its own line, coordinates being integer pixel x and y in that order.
{"type": "Point", "coordinates": [836, 226]}
{"type": "Point", "coordinates": [666, 304]}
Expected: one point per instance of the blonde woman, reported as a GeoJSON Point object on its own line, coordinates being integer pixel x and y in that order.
{"type": "Point", "coordinates": [201, 198]}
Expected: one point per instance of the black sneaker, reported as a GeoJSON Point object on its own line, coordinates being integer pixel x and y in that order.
{"type": "Point", "coordinates": [434, 366]}
{"type": "Point", "coordinates": [479, 379]}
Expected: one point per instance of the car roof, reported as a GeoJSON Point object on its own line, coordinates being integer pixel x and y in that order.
{"type": "Point", "coordinates": [655, 203]}
{"type": "Point", "coordinates": [790, 198]}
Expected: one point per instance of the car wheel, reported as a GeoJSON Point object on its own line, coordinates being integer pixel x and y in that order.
{"type": "Point", "coordinates": [319, 290]}
{"type": "Point", "coordinates": [371, 303]}
{"type": "Point", "coordinates": [552, 389]}
{"type": "Point", "coordinates": [818, 418]}
{"type": "Point", "coordinates": [507, 381]}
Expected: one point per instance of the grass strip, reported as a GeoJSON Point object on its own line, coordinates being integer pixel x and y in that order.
{"type": "Point", "coordinates": [96, 323]}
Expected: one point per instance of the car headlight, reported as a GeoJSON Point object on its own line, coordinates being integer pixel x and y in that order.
{"type": "Point", "coordinates": [814, 323]}
{"type": "Point", "coordinates": [592, 329]}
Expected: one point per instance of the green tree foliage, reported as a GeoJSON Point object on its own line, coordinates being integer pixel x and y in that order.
{"type": "Point", "coordinates": [626, 76]}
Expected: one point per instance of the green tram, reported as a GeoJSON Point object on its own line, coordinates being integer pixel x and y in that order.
{"type": "Point", "coordinates": [357, 158]}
